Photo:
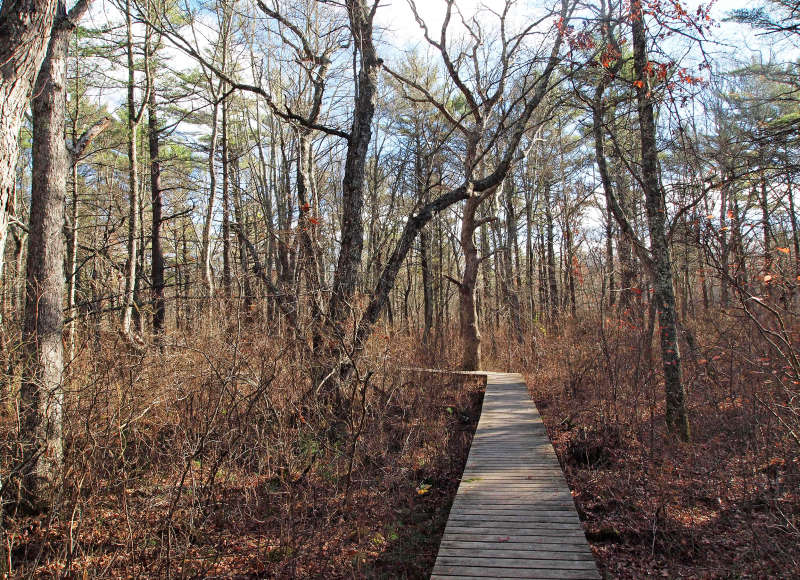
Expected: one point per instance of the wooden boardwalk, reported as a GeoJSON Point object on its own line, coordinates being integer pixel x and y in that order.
{"type": "Point", "coordinates": [513, 516]}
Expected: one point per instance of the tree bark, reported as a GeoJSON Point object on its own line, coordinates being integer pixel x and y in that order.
{"type": "Point", "coordinates": [207, 271]}
{"type": "Point", "coordinates": [766, 229]}
{"type": "Point", "coordinates": [72, 253]}
{"type": "Point", "coordinates": [239, 217]}
{"type": "Point", "coordinates": [793, 220]}
{"type": "Point", "coordinates": [226, 203]}
{"type": "Point", "coordinates": [421, 177]}
{"type": "Point", "coordinates": [571, 261]}
{"type": "Point", "coordinates": [510, 289]}
{"type": "Point", "coordinates": [427, 285]}
{"type": "Point", "coordinates": [346, 275]}
{"type": "Point", "coordinates": [41, 394]}
{"type": "Point", "coordinates": [676, 415]}
{"type": "Point", "coordinates": [610, 280]}
{"type": "Point", "coordinates": [24, 33]}
{"type": "Point", "coordinates": [157, 253]}
{"type": "Point", "coordinates": [468, 313]}
{"type": "Point", "coordinates": [133, 182]}
{"type": "Point", "coordinates": [529, 253]}
{"type": "Point", "coordinates": [345, 278]}
{"type": "Point", "coordinates": [552, 282]}
{"type": "Point", "coordinates": [724, 247]}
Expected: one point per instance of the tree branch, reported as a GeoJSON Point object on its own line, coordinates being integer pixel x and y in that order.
{"type": "Point", "coordinates": [77, 149]}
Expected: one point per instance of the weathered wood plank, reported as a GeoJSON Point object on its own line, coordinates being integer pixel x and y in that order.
{"type": "Point", "coordinates": [500, 530]}
{"type": "Point", "coordinates": [488, 572]}
{"type": "Point", "coordinates": [521, 514]}
{"type": "Point", "coordinates": [513, 515]}
{"type": "Point", "coordinates": [516, 562]}
{"type": "Point", "coordinates": [553, 502]}
{"type": "Point", "coordinates": [549, 543]}
{"type": "Point", "coordinates": [514, 551]}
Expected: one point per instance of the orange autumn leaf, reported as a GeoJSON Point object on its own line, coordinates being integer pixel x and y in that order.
{"type": "Point", "coordinates": [783, 250]}
{"type": "Point", "coordinates": [638, 84]}
{"type": "Point", "coordinates": [313, 220]}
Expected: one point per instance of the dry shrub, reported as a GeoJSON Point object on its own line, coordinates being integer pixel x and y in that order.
{"type": "Point", "coordinates": [209, 456]}
{"type": "Point", "coordinates": [725, 504]}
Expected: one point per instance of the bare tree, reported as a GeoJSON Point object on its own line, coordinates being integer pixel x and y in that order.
{"type": "Point", "coordinates": [332, 359]}
{"type": "Point", "coordinates": [487, 123]}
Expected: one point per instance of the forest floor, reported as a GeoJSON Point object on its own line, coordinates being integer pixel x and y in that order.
{"type": "Point", "coordinates": [726, 505]}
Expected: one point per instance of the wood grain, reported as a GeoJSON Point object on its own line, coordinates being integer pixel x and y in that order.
{"type": "Point", "coordinates": [513, 515]}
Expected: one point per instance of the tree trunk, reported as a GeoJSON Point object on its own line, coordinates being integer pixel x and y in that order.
{"type": "Point", "coordinates": [157, 254]}
{"type": "Point", "coordinates": [486, 302]}
{"type": "Point", "coordinates": [41, 394]}
{"type": "Point", "coordinates": [72, 253]}
{"type": "Point", "coordinates": [793, 219]}
{"type": "Point", "coordinates": [24, 28]}
{"type": "Point", "coordinates": [468, 314]}
{"type": "Point", "coordinates": [512, 298]}
{"type": "Point", "coordinates": [205, 259]}
{"type": "Point", "coordinates": [698, 239]}
{"type": "Point", "coordinates": [133, 183]}
{"type": "Point", "coordinates": [724, 249]}
{"type": "Point", "coordinates": [571, 261]}
{"type": "Point", "coordinates": [766, 230]}
{"type": "Point", "coordinates": [552, 292]}
{"type": "Point", "coordinates": [676, 416]}
{"type": "Point", "coordinates": [529, 256]}
{"type": "Point", "coordinates": [238, 215]}
{"type": "Point", "coordinates": [544, 296]}
{"type": "Point", "coordinates": [226, 203]}
{"type": "Point", "coordinates": [346, 275]}
{"type": "Point", "coordinates": [427, 286]}
{"type": "Point", "coordinates": [627, 265]}
{"type": "Point", "coordinates": [610, 282]}
{"type": "Point", "coordinates": [345, 279]}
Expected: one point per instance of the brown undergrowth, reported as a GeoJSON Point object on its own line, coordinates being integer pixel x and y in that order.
{"type": "Point", "coordinates": [206, 458]}
{"type": "Point", "coordinates": [726, 505]}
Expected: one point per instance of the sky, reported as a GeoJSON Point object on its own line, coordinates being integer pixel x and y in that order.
{"type": "Point", "coordinates": [397, 30]}
{"type": "Point", "coordinates": [402, 30]}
